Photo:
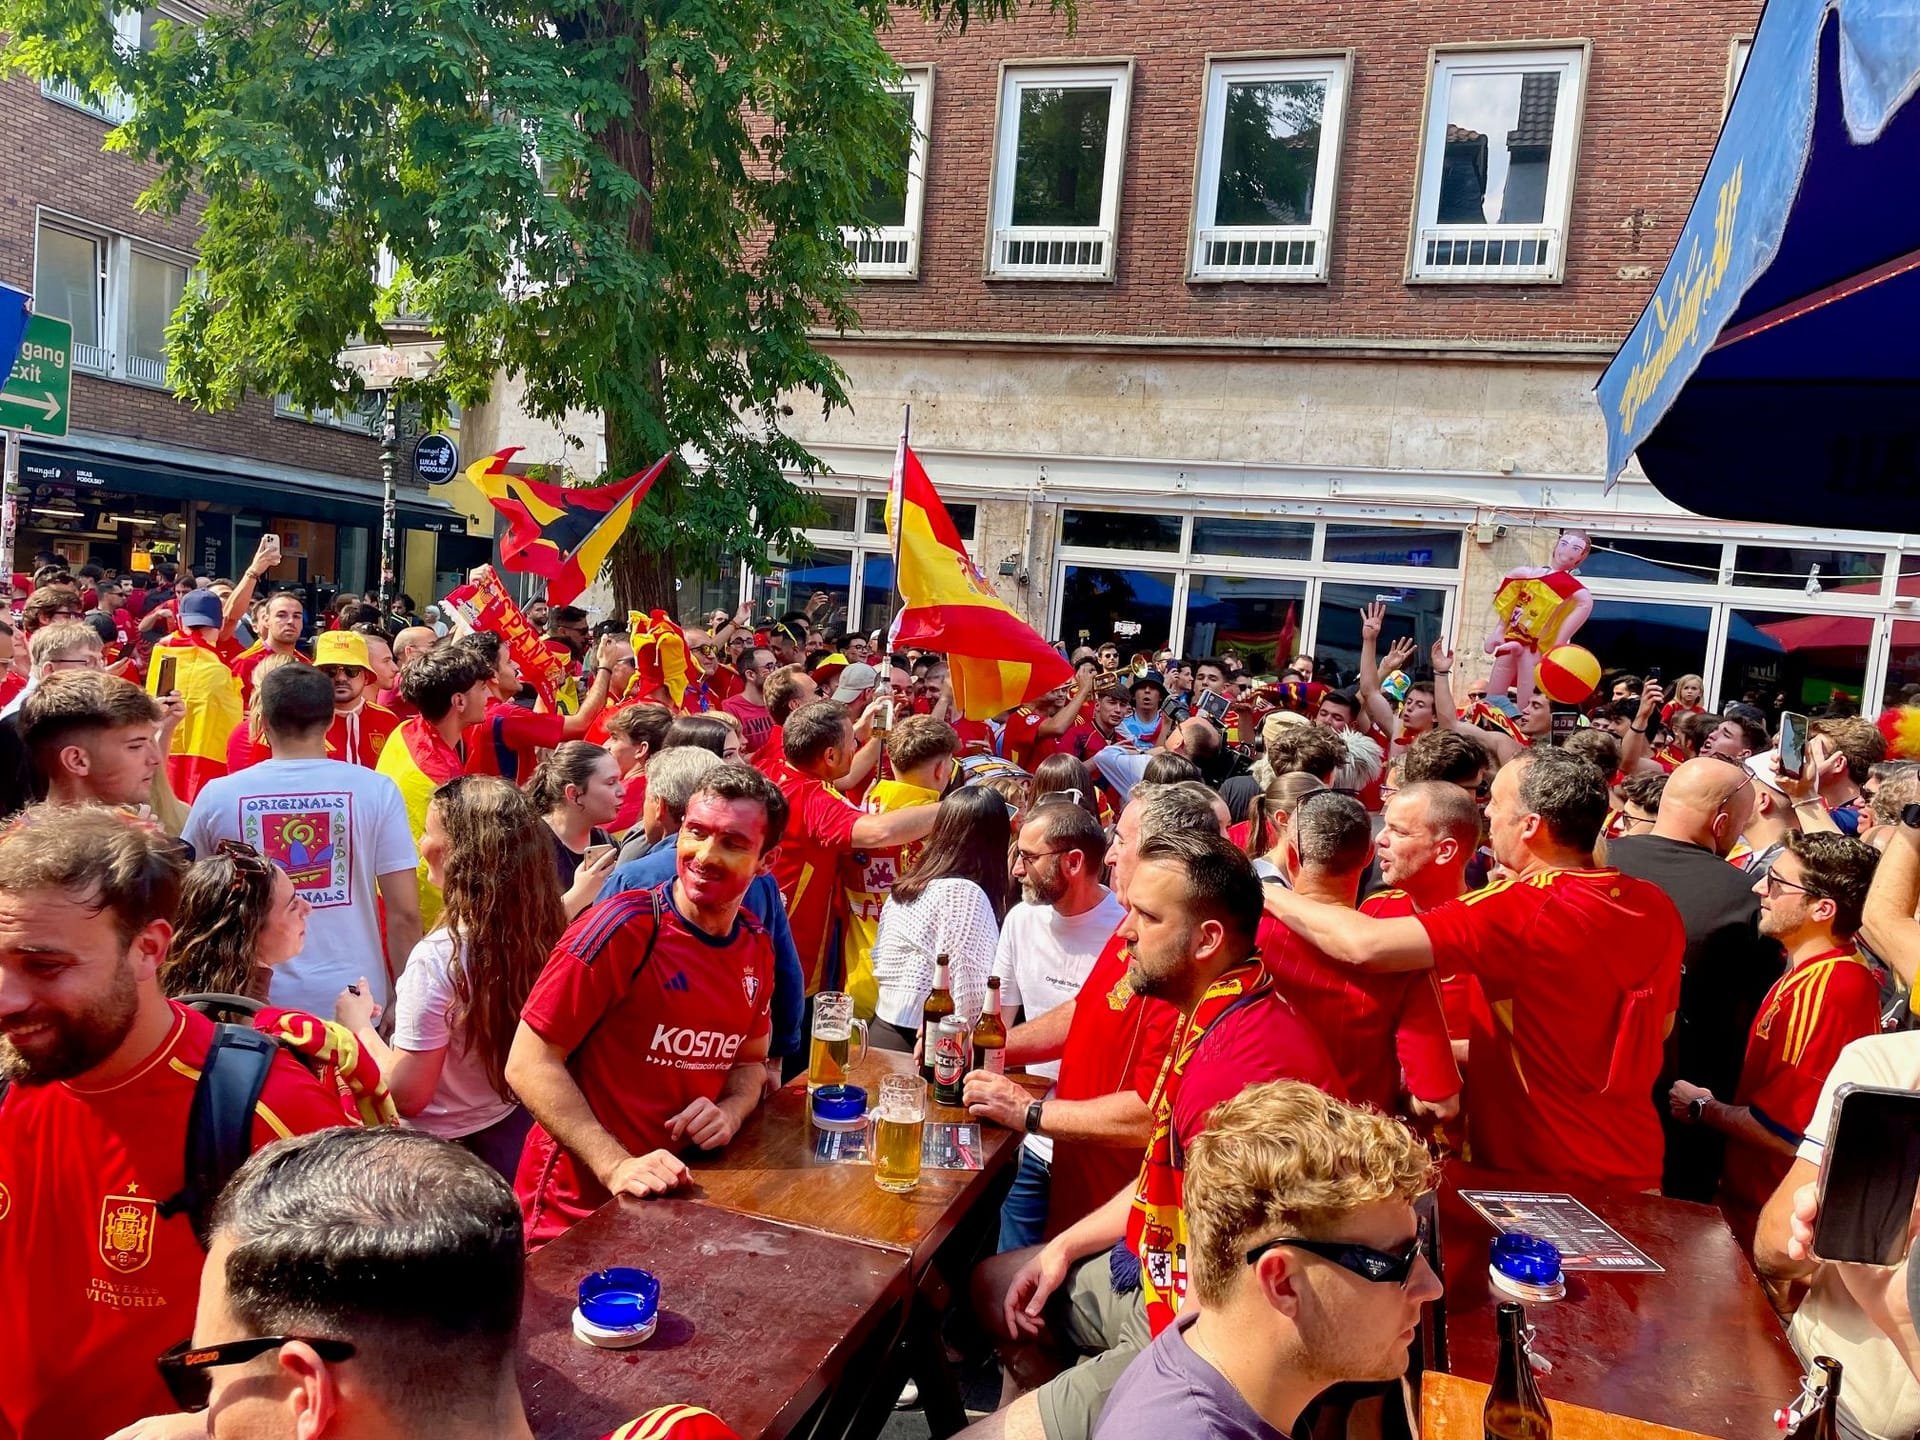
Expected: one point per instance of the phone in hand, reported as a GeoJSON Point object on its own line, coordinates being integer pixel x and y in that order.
{"type": "Point", "coordinates": [164, 681]}
{"type": "Point", "coordinates": [1653, 675]}
{"type": "Point", "coordinates": [1869, 1176]}
{"type": "Point", "coordinates": [596, 852]}
{"type": "Point", "coordinates": [1793, 743]}
{"type": "Point", "coordinates": [1566, 724]}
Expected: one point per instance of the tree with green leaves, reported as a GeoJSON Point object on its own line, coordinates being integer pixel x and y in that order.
{"type": "Point", "coordinates": [635, 206]}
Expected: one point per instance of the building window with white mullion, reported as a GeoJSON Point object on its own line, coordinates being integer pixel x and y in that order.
{"type": "Point", "coordinates": [1056, 174]}
{"type": "Point", "coordinates": [886, 246]}
{"type": "Point", "coordinates": [155, 287]}
{"type": "Point", "coordinates": [1269, 149]}
{"type": "Point", "coordinates": [70, 283]}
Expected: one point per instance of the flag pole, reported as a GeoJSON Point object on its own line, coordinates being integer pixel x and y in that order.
{"type": "Point", "coordinates": [896, 492]}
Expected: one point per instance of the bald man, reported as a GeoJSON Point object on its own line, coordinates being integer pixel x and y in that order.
{"type": "Point", "coordinates": [1729, 964]}
{"type": "Point", "coordinates": [412, 641]}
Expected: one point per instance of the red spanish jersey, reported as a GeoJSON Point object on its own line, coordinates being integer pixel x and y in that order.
{"type": "Point", "coordinates": [976, 736]}
{"type": "Point", "coordinates": [248, 660]}
{"type": "Point", "coordinates": [360, 737]}
{"type": "Point", "coordinates": [507, 743]}
{"type": "Point", "coordinates": [97, 1283]}
{"type": "Point", "coordinates": [1020, 738]}
{"type": "Point", "coordinates": [654, 1013]}
{"type": "Point", "coordinates": [12, 682]}
{"type": "Point", "coordinates": [818, 841]}
{"type": "Point", "coordinates": [756, 722]}
{"type": "Point", "coordinates": [772, 754]}
{"type": "Point", "coordinates": [1380, 1027]}
{"type": "Point", "coordinates": [1581, 970]}
{"type": "Point", "coordinates": [1116, 1040]}
{"type": "Point", "coordinates": [1811, 1014]}
{"type": "Point", "coordinates": [1460, 997]}
{"type": "Point", "coordinates": [1242, 1032]}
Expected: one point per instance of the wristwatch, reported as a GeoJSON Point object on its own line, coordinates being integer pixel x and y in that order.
{"type": "Point", "coordinates": [1697, 1109]}
{"type": "Point", "coordinates": [1033, 1116]}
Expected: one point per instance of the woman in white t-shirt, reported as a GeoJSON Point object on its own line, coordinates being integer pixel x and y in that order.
{"type": "Point", "coordinates": [458, 1001]}
{"type": "Point", "coordinates": [950, 903]}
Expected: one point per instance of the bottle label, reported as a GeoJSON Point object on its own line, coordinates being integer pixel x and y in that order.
{"type": "Point", "coordinates": [994, 1061]}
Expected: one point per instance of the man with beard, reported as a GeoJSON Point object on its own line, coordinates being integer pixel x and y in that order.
{"type": "Point", "coordinates": [284, 621]}
{"type": "Point", "coordinates": [102, 1272]}
{"type": "Point", "coordinates": [1102, 1288]}
{"type": "Point", "coordinates": [1810, 903]}
{"type": "Point", "coordinates": [1048, 945]}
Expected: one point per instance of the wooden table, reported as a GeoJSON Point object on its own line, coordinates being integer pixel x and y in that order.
{"type": "Point", "coordinates": [1697, 1348]}
{"type": "Point", "coordinates": [758, 1320]}
{"type": "Point", "coordinates": [768, 1170]}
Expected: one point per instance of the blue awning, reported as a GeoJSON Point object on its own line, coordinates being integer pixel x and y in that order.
{"type": "Point", "coordinates": [14, 308]}
{"type": "Point", "coordinates": [1775, 374]}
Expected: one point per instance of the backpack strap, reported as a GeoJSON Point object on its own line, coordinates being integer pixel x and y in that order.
{"type": "Point", "coordinates": [220, 1121]}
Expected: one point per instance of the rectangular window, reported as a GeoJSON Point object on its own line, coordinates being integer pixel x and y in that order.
{"type": "Point", "coordinates": [1056, 178]}
{"type": "Point", "coordinates": [1640, 636]}
{"type": "Point", "coordinates": [1270, 143]}
{"type": "Point", "coordinates": [1782, 567]}
{"type": "Point", "coordinates": [1496, 178]}
{"type": "Point", "coordinates": [1336, 643]}
{"type": "Point", "coordinates": [70, 283]}
{"type": "Point", "coordinates": [154, 290]}
{"type": "Point", "coordinates": [1634, 557]}
{"type": "Point", "coordinates": [1786, 661]}
{"type": "Point", "coordinates": [887, 246]}
{"type": "Point", "coordinates": [1393, 545]}
{"type": "Point", "coordinates": [1253, 539]}
{"type": "Point", "coordinates": [960, 512]}
{"type": "Point", "coordinates": [1258, 619]}
{"type": "Point", "coordinates": [1131, 608]}
{"type": "Point", "coordinates": [132, 33]}
{"type": "Point", "coordinates": [1115, 530]}
{"type": "Point", "coordinates": [833, 512]}
{"type": "Point", "coordinates": [1736, 67]}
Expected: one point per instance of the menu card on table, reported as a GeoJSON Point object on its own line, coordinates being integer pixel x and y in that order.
{"type": "Point", "coordinates": [1585, 1241]}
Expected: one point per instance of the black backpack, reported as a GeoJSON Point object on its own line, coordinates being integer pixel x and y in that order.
{"type": "Point", "coordinates": [220, 1119]}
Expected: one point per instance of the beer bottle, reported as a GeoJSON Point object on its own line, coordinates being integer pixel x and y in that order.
{"type": "Point", "coordinates": [990, 1033]}
{"type": "Point", "coordinates": [1515, 1410]}
{"type": "Point", "coordinates": [1815, 1416]}
{"type": "Point", "coordinates": [939, 1005]}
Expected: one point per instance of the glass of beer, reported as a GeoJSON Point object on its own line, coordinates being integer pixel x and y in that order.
{"type": "Point", "coordinates": [833, 1028]}
{"type": "Point", "coordinates": [898, 1121]}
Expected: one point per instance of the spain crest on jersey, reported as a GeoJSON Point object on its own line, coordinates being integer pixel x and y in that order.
{"type": "Point", "coordinates": [127, 1224]}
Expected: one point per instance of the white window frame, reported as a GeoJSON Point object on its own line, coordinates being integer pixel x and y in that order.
{"type": "Point", "coordinates": [89, 359]}
{"type": "Point", "coordinates": [1739, 51]}
{"type": "Point", "coordinates": [1266, 252]}
{"type": "Point", "coordinates": [137, 369]}
{"type": "Point", "coordinates": [892, 252]}
{"type": "Point", "coordinates": [1501, 262]}
{"type": "Point", "coordinates": [1078, 252]}
{"type": "Point", "coordinates": [359, 422]}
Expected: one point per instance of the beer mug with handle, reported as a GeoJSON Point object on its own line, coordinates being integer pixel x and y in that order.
{"type": "Point", "coordinates": [831, 1057]}
{"type": "Point", "coordinates": [897, 1124]}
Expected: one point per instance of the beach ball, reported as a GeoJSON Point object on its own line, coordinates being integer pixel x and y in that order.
{"type": "Point", "coordinates": [1568, 674]}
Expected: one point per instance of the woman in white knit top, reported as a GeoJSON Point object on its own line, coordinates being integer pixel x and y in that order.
{"type": "Point", "coordinates": [950, 903]}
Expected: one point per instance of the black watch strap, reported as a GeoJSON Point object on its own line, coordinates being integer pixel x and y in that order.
{"type": "Point", "coordinates": [1033, 1116]}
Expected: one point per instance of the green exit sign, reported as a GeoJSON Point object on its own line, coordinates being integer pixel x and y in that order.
{"type": "Point", "coordinates": [36, 395]}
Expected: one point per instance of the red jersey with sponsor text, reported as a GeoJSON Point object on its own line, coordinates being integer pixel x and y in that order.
{"type": "Point", "coordinates": [97, 1283]}
{"type": "Point", "coordinates": [654, 1013]}
{"type": "Point", "coordinates": [1581, 970]}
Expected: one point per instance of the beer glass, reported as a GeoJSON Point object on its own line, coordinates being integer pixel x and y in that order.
{"type": "Point", "coordinates": [833, 1025]}
{"type": "Point", "coordinates": [898, 1121]}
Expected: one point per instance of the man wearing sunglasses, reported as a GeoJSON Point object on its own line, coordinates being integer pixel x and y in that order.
{"type": "Point", "coordinates": [1308, 1261]}
{"type": "Point", "coordinates": [101, 1269]}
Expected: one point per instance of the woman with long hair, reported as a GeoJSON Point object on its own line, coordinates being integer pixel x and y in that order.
{"type": "Point", "coordinates": [459, 999]}
{"type": "Point", "coordinates": [239, 916]}
{"type": "Point", "coordinates": [1068, 775]}
{"type": "Point", "coordinates": [577, 790]}
{"type": "Point", "coordinates": [950, 903]}
{"type": "Point", "coordinates": [1267, 820]}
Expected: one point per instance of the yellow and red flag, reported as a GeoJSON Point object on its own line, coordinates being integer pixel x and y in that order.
{"type": "Point", "coordinates": [198, 750]}
{"type": "Point", "coordinates": [996, 660]}
{"type": "Point", "coordinates": [661, 659]}
{"type": "Point", "coordinates": [555, 531]}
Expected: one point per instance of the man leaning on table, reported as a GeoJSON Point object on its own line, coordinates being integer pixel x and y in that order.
{"type": "Point", "coordinates": [647, 1032]}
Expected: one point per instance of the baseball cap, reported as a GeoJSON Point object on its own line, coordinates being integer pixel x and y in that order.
{"type": "Point", "coordinates": [855, 681]}
{"type": "Point", "coordinates": [340, 647]}
{"type": "Point", "coordinates": [200, 607]}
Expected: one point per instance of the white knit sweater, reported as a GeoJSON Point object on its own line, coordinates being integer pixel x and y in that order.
{"type": "Point", "coordinates": [953, 918]}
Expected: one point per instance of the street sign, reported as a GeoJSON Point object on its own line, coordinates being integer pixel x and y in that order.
{"type": "Point", "coordinates": [36, 394]}
{"type": "Point", "coordinates": [436, 459]}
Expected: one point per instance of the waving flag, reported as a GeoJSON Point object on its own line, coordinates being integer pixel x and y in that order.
{"type": "Point", "coordinates": [557, 532]}
{"type": "Point", "coordinates": [995, 659]}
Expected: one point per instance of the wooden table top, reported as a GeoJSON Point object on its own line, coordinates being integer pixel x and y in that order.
{"type": "Point", "coordinates": [1697, 1348]}
{"type": "Point", "coordinates": [769, 1170]}
{"type": "Point", "coordinates": [757, 1319]}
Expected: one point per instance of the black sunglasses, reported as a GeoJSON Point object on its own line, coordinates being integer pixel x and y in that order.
{"type": "Point", "coordinates": [184, 1368]}
{"type": "Point", "coordinates": [1380, 1267]}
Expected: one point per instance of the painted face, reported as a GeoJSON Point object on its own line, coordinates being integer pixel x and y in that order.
{"type": "Point", "coordinates": [719, 849]}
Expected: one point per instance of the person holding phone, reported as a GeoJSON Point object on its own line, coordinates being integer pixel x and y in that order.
{"type": "Point", "coordinates": [577, 789]}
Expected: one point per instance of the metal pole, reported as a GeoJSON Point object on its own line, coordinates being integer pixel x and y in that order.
{"type": "Point", "coordinates": [893, 599]}
{"type": "Point", "coordinates": [9, 493]}
{"type": "Point", "coordinates": [389, 446]}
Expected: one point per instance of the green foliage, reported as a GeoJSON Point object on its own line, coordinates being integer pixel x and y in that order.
{"type": "Point", "coordinates": [635, 206]}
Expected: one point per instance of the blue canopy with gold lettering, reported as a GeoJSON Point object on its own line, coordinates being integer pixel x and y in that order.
{"type": "Point", "coordinates": [1775, 375]}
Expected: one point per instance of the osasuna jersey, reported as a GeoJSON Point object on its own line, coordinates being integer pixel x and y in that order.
{"type": "Point", "coordinates": [654, 1013]}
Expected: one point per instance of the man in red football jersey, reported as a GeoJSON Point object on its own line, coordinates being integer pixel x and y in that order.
{"type": "Point", "coordinates": [647, 1032]}
{"type": "Point", "coordinates": [1430, 833]}
{"type": "Point", "coordinates": [1581, 969]}
{"type": "Point", "coordinates": [102, 1272]}
{"type": "Point", "coordinates": [506, 742]}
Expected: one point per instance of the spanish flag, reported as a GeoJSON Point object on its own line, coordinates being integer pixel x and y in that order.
{"type": "Point", "coordinates": [994, 657]}
{"type": "Point", "coordinates": [558, 532]}
{"type": "Point", "coordinates": [198, 751]}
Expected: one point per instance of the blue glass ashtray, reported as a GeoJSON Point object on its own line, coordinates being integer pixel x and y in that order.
{"type": "Point", "coordinates": [619, 1306]}
{"type": "Point", "coordinates": [839, 1107]}
{"type": "Point", "coordinates": [1526, 1266]}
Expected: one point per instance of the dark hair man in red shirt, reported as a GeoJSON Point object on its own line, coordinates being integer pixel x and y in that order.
{"type": "Point", "coordinates": [102, 1274]}
{"type": "Point", "coordinates": [1193, 909]}
{"type": "Point", "coordinates": [647, 1031]}
{"type": "Point", "coordinates": [1580, 965]}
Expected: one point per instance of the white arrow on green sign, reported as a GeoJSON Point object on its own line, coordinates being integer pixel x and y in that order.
{"type": "Point", "coordinates": [36, 395]}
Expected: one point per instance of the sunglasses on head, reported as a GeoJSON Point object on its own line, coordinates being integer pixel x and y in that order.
{"type": "Point", "coordinates": [185, 1367]}
{"type": "Point", "coordinates": [1377, 1267]}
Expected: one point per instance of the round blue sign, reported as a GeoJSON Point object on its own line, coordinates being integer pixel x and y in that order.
{"type": "Point", "coordinates": [436, 459]}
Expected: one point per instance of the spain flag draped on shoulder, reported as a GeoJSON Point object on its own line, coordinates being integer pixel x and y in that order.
{"type": "Point", "coordinates": [661, 659]}
{"type": "Point", "coordinates": [556, 532]}
{"type": "Point", "coordinates": [198, 750]}
{"type": "Point", "coordinates": [995, 659]}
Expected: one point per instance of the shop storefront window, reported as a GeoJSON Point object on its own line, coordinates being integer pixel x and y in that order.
{"type": "Point", "coordinates": [876, 592]}
{"type": "Point", "coordinates": [1336, 643]}
{"type": "Point", "coordinates": [821, 584]}
{"type": "Point", "coordinates": [1639, 636]}
{"type": "Point", "coordinates": [962, 514]}
{"type": "Point", "coordinates": [1778, 567]}
{"type": "Point", "coordinates": [1132, 608]}
{"type": "Point", "coordinates": [709, 590]}
{"type": "Point", "coordinates": [1253, 539]}
{"type": "Point", "coordinates": [1257, 618]}
{"type": "Point", "coordinates": [1118, 530]}
{"type": "Point", "coordinates": [355, 544]}
{"type": "Point", "coordinates": [1903, 665]}
{"type": "Point", "coordinates": [1634, 557]}
{"type": "Point", "coordinates": [1413, 545]}
{"type": "Point", "coordinates": [834, 512]}
{"type": "Point", "coordinates": [1794, 661]}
